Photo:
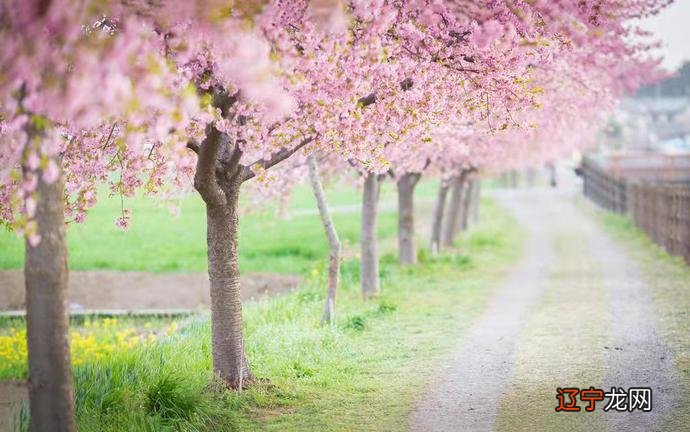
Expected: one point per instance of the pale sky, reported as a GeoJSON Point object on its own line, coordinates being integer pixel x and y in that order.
{"type": "Point", "coordinates": [672, 26]}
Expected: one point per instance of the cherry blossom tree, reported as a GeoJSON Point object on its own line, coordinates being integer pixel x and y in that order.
{"type": "Point", "coordinates": [89, 89]}
{"type": "Point", "coordinates": [46, 105]}
{"type": "Point", "coordinates": [178, 95]}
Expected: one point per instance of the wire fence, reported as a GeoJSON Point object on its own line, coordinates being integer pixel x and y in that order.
{"type": "Point", "coordinates": [660, 208]}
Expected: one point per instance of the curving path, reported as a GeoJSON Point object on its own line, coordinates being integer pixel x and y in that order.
{"type": "Point", "coordinates": [575, 312]}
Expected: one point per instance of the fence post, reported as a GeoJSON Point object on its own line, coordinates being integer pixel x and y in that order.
{"type": "Point", "coordinates": [662, 210]}
{"type": "Point", "coordinates": [685, 223]}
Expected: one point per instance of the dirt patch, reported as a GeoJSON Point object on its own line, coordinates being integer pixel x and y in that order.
{"type": "Point", "coordinates": [140, 290]}
{"type": "Point", "coordinates": [12, 394]}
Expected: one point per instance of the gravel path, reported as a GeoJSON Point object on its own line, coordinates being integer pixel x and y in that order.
{"type": "Point", "coordinates": [467, 395]}
{"type": "Point", "coordinates": [637, 356]}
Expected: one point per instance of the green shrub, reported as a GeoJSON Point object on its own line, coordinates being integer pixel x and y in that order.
{"type": "Point", "coordinates": [356, 323]}
{"type": "Point", "coordinates": [386, 307]}
{"type": "Point", "coordinates": [170, 399]}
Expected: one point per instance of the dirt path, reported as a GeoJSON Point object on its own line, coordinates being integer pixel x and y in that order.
{"type": "Point", "coordinates": [639, 355]}
{"type": "Point", "coordinates": [466, 395]}
{"type": "Point", "coordinates": [106, 289]}
{"type": "Point", "coordinates": [574, 312]}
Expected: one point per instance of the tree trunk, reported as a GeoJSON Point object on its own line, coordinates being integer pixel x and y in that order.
{"type": "Point", "coordinates": [218, 177]}
{"type": "Point", "coordinates": [437, 223]}
{"type": "Point", "coordinates": [229, 360]}
{"type": "Point", "coordinates": [283, 211]}
{"type": "Point", "coordinates": [369, 264]}
{"type": "Point", "coordinates": [221, 194]}
{"type": "Point", "coordinates": [504, 180]}
{"type": "Point", "coordinates": [553, 178]}
{"type": "Point", "coordinates": [466, 201]}
{"type": "Point", "coordinates": [51, 398]}
{"type": "Point", "coordinates": [474, 208]}
{"type": "Point", "coordinates": [406, 246]}
{"type": "Point", "coordinates": [333, 241]}
{"type": "Point", "coordinates": [454, 208]}
{"type": "Point", "coordinates": [514, 179]}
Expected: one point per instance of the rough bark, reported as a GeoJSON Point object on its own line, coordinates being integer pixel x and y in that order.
{"type": "Point", "coordinates": [454, 207]}
{"type": "Point", "coordinates": [227, 340]}
{"type": "Point", "coordinates": [437, 223]}
{"type": "Point", "coordinates": [369, 260]}
{"type": "Point", "coordinates": [51, 398]}
{"type": "Point", "coordinates": [221, 193]}
{"type": "Point", "coordinates": [333, 241]}
{"type": "Point", "coordinates": [218, 178]}
{"type": "Point", "coordinates": [406, 246]}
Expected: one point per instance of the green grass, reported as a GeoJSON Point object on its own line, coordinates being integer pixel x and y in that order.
{"type": "Point", "coordinates": [158, 242]}
{"type": "Point", "coordinates": [362, 373]}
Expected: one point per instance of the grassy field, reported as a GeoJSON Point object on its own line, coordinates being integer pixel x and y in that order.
{"type": "Point", "coordinates": [159, 242]}
{"type": "Point", "coordinates": [362, 373]}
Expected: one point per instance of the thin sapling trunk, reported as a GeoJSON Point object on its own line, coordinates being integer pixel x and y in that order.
{"type": "Point", "coordinates": [406, 245]}
{"type": "Point", "coordinates": [333, 241]}
{"type": "Point", "coordinates": [474, 208]}
{"type": "Point", "coordinates": [454, 208]}
{"type": "Point", "coordinates": [466, 202]}
{"type": "Point", "coordinates": [437, 223]}
{"type": "Point", "coordinates": [369, 259]}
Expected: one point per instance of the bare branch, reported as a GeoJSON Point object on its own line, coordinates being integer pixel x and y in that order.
{"type": "Point", "coordinates": [406, 84]}
{"type": "Point", "coordinates": [193, 146]}
{"type": "Point", "coordinates": [110, 135]}
{"type": "Point", "coordinates": [236, 155]}
{"type": "Point", "coordinates": [246, 172]}
{"type": "Point", "coordinates": [367, 100]}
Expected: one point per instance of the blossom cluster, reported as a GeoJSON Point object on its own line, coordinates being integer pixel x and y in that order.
{"type": "Point", "coordinates": [114, 92]}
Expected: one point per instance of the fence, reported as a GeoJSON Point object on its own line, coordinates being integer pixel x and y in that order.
{"type": "Point", "coordinates": [604, 188]}
{"type": "Point", "coordinates": [660, 208]}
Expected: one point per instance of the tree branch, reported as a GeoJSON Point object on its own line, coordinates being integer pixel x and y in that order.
{"type": "Point", "coordinates": [205, 175]}
{"type": "Point", "coordinates": [367, 100]}
{"type": "Point", "coordinates": [110, 135]}
{"type": "Point", "coordinates": [247, 173]}
{"type": "Point", "coordinates": [193, 146]}
{"type": "Point", "coordinates": [224, 101]}
{"type": "Point", "coordinates": [406, 84]}
{"type": "Point", "coordinates": [236, 155]}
